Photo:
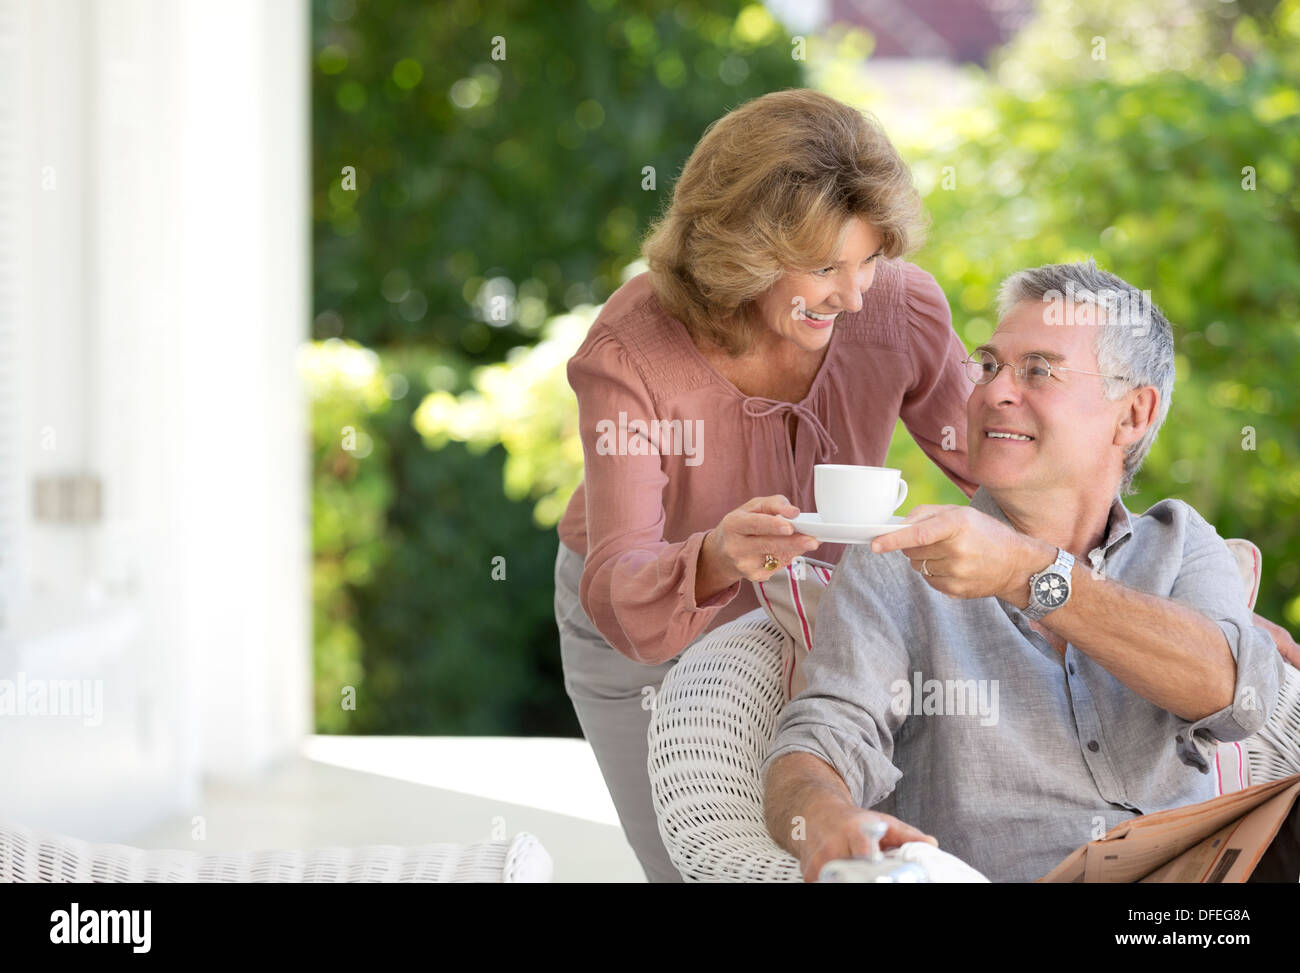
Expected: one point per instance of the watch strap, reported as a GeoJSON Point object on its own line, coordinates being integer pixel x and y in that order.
{"type": "Point", "coordinates": [1062, 565]}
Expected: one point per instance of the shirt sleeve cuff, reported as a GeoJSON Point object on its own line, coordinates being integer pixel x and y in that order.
{"type": "Point", "coordinates": [869, 776]}
{"type": "Point", "coordinates": [691, 555]}
{"type": "Point", "coordinates": [1253, 698]}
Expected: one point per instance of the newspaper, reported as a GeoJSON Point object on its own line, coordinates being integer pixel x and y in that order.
{"type": "Point", "coordinates": [1221, 840]}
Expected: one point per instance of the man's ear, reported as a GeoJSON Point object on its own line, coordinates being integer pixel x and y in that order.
{"type": "Point", "coordinates": [1139, 412]}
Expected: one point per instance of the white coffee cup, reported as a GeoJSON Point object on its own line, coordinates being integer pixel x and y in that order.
{"type": "Point", "coordinates": [857, 494]}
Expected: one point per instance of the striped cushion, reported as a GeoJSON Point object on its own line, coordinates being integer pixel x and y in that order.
{"type": "Point", "coordinates": [1231, 771]}
{"type": "Point", "coordinates": [790, 598]}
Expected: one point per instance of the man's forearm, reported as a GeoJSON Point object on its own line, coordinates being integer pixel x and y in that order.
{"type": "Point", "coordinates": [797, 785]}
{"type": "Point", "coordinates": [1164, 651]}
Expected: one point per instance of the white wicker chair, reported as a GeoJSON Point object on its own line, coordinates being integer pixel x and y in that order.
{"type": "Point", "coordinates": [713, 723]}
{"type": "Point", "coordinates": [33, 856]}
{"type": "Point", "coordinates": [1274, 751]}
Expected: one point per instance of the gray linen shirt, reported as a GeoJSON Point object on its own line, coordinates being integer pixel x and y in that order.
{"type": "Point", "coordinates": [1014, 755]}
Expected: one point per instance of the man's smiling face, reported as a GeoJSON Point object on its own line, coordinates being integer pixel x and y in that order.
{"type": "Point", "coordinates": [1063, 433]}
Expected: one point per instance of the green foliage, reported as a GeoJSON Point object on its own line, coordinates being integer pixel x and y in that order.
{"type": "Point", "coordinates": [409, 610]}
{"type": "Point", "coordinates": [527, 181]}
{"type": "Point", "coordinates": [1117, 41]}
{"type": "Point", "coordinates": [518, 175]}
{"type": "Point", "coordinates": [526, 405]}
{"type": "Point", "coordinates": [476, 178]}
{"type": "Point", "coordinates": [451, 645]}
{"type": "Point", "coordinates": [349, 495]}
{"type": "Point", "coordinates": [1150, 177]}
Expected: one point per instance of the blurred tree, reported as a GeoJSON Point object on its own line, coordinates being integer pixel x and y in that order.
{"type": "Point", "coordinates": [1184, 184]}
{"type": "Point", "coordinates": [1180, 178]}
{"type": "Point", "coordinates": [525, 404]}
{"type": "Point", "coordinates": [350, 491]}
{"type": "Point", "coordinates": [1120, 42]}
{"type": "Point", "coordinates": [501, 153]}
{"type": "Point", "coordinates": [432, 591]}
{"type": "Point", "coordinates": [477, 170]}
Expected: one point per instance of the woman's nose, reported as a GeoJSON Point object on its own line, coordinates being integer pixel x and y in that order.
{"type": "Point", "coordinates": [851, 296]}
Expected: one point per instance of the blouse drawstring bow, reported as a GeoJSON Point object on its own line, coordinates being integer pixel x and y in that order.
{"type": "Point", "coordinates": [758, 406]}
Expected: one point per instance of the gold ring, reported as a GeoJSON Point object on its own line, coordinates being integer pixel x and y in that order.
{"type": "Point", "coordinates": [770, 562]}
{"type": "Point", "coordinates": [924, 569]}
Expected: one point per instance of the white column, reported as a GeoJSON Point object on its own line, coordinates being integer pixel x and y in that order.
{"type": "Point", "coordinates": [242, 228]}
{"type": "Point", "coordinates": [166, 296]}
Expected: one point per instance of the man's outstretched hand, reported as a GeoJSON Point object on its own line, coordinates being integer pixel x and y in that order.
{"type": "Point", "coordinates": [968, 554]}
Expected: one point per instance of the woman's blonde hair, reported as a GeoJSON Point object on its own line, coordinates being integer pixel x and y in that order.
{"type": "Point", "coordinates": [770, 188]}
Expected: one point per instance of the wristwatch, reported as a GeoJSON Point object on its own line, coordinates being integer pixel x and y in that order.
{"type": "Point", "coordinates": [1049, 589]}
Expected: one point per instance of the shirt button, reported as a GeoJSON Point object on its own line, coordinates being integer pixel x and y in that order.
{"type": "Point", "coordinates": [1179, 738]}
{"type": "Point", "coordinates": [1072, 668]}
{"type": "Point", "coordinates": [1094, 746]}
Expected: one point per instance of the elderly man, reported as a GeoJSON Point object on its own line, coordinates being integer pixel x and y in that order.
{"type": "Point", "coordinates": [1115, 649]}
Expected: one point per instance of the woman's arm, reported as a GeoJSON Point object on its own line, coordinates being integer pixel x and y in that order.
{"type": "Point", "coordinates": [649, 598]}
{"type": "Point", "coordinates": [1283, 639]}
{"type": "Point", "coordinates": [638, 589]}
{"type": "Point", "coordinates": [736, 549]}
{"type": "Point", "coordinates": [934, 406]}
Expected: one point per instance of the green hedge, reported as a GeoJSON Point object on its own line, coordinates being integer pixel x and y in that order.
{"type": "Point", "coordinates": [1142, 169]}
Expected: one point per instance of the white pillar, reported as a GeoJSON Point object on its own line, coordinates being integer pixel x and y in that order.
{"type": "Point", "coordinates": [241, 133]}
{"type": "Point", "coordinates": [162, 304]}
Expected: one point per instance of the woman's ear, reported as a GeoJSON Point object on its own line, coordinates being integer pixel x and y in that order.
{"type": "Point", "coordinates": [1139, 412]}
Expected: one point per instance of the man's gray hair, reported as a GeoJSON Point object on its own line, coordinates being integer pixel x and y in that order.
{"type": "Point", "coordinates": [1133, 339]}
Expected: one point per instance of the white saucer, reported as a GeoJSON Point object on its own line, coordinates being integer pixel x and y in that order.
{"type": "Point", "coordinates": [811, 523]}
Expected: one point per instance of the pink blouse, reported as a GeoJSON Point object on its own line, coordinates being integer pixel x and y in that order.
{"type": "Point", "coordinates": [670, 446]}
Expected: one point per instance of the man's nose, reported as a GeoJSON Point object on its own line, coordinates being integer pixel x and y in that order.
{"type": "Point", "coordinates": [1004, 387]}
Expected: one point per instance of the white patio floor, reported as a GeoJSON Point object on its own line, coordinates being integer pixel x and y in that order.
{"type": "Point", "coordinates": [353, 790]}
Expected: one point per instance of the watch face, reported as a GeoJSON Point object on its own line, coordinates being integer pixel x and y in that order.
{"type": "Point", "coordinates": [1051, 590]}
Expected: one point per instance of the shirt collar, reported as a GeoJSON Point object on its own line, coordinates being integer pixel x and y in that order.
{"type": "Point", "coordinates": [1119, 526]}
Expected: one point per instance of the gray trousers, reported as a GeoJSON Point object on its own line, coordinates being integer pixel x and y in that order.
{"type": "Point", "coordinates": [606, 688]}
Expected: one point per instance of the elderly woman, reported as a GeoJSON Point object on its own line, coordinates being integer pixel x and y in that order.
{"type": "Point", "coordinates": [776, 329]}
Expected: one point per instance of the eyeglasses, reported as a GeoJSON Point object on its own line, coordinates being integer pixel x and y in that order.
{"type": "Point", "coordinates": [1033, 371]}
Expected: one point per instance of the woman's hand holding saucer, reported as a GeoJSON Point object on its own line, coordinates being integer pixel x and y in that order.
{"type": "Point", "coordinates": [755, 540]}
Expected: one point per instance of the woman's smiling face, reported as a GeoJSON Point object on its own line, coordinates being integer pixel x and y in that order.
{"type": "Point", "coordinates": [826, 292]}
